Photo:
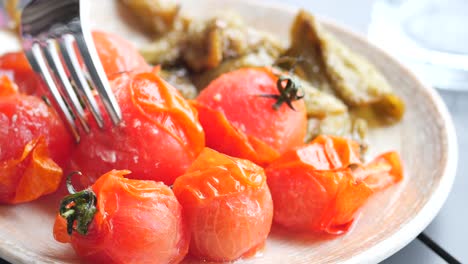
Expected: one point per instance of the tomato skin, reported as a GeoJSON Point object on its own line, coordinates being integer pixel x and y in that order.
{"type": "Point", "coordinates": [118, 55]}
{"type": "Point", "coordinates": [158, 139]}
{"type": "Point", "coordinates": [34, 146]}
{"type": "Point", "coordinates": [24, 118]}
{"type": "Point", "coordinates": [385, 170]}
{"type": "Point", "coordinates": [231, 106]}
{"type": "Point", "coordinates": [8, 87]}
{"type": "Point", "coordinates": [330, 192]}
{"type": "Point", "coordinates": [136, 222]}
{"type": "Point", "coordinates": [227, 205]}
{"type": "Point", "coordinates": [16, 66]}
{"type": "Point", "coordinates": [318, 191]}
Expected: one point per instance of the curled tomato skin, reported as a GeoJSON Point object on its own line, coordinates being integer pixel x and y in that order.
{"type": "Point", "coordinates": [136, 222]}
{"type": "Point", "coordinates": [30, 176]}
{"type": "Point", "coordinates": [158, 139]}
{"type": "Point", "coordinates": [331, 191]}
{"type": "Point", "coordinates": [34, 146]}
{"type": "Point", "coordinates": [227, 204]}
{"type": "Point", "coordinates": [239, 122]}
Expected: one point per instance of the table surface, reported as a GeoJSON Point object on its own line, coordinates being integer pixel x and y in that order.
{"type": "Point", "coordinates": [448, 232]}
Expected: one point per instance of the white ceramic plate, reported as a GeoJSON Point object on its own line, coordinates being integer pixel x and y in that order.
{"type": "Point", "coordinates": [425, 139]}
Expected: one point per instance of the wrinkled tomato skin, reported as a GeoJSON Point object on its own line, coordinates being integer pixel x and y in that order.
{"type": "Point", "coordinates": [24, 118]}
{"type": "Point", "coordinates": [236, 96]}
{"type": "Point", "coordinates": [321, 186]}
{"type": "Point", "coordinates": [319, 208]}
{"type": "Point", "coordinates": [158, 139]}
{"type": "Point", "coordinates": [34, 147]}
{"type": "Point", "coordinates": [227, 205]}
{"type": "Point", "coordinates": [136, 222]}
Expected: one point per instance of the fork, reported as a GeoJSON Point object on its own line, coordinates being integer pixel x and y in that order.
{"type": "Point", "coordinates": [49, 29]}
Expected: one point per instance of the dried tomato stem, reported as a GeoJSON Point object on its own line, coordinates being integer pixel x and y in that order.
{"type": "Point", "coordinates": [78, 208]}
{"type": "Point", "coordinates": [288, 92]}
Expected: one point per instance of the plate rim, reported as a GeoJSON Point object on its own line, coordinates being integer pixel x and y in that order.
{"type": "Point", "coordinates": [411, 228]}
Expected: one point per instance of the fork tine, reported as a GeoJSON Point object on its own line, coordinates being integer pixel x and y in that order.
{"type": "Point", "coordinates": [70, 58]}
{"type": "Point", "coordinates": [96, 71]}
{"type": "Point", "coordinates": [37, 61]}
{"type": "Point", "coordinates": [55, 63]}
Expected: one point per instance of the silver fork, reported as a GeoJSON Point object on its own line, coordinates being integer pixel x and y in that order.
{"type": "Point", "coordinates": [50, 28]}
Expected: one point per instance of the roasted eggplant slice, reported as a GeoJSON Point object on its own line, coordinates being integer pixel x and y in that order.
{"type": "Point", "coordinates": [156, 16]}
{"type": "Point", "coordinates": [326, 62]}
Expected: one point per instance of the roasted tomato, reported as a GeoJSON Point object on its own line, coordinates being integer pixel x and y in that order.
{"type": "Point", "coordinates": [320, 187]}
{"type": "Point", "coordinates": [33, 143]}
{"type": "Point", "coordinates": [242, 115]}
{"type": "Point", "coordinates": [119, 220]}
{"type": "Point", "coordinates": [227, 205]}
{"type": "Point", "coordinates": [16, 66]}
{"type": "Point", "coordinates": [117, 55]}
{"type": "Point", "coordinates": [158, 139]}
{"type": "Point", "coordinates": [7, 86]}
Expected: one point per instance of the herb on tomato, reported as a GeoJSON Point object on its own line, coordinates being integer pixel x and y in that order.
{"type": "Point", "coordinates": [288, 89]}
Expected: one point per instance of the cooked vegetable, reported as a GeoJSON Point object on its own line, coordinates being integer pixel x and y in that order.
{"type": "Point", "coordinates": [7, 86]}
{"type": "Point", "coordinates": [328, 63]}
{"type": "Point", "coordinates": [239, 122]}
{"type": "Point", "coordinates": [118, 220]}
{"type": "Point", "coordinates": [228, 206]}
{"type": "Point", "coordinates": [320, 187]}
{"type": "Point", "coordinates": [305, 47]}
{"type": "Point", "coordinates": [224, 38]}
{"type": "Point", "coordinates": [34, 147]}
{"type": "Point", "coordinates": [260, 58]}
{"type": "Point", "coordinates": [320, 104]}
{"type": "Point", "coordinates": [343, 125]}
{"type": "Point", "coordinates": [165, 50]}
{"type": "Point", "coordinates": [159, 137]}
{"type": "Point", "coordinates": [178, 77]}
{"type": "Point", "coordinates": [118, 55]}
{"type": "Point", "coordinates": [203, 45]}
{"type": "Point", "coordinates": [16, 66]}
{"type": "Point", "coordinates": [156, 16]}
